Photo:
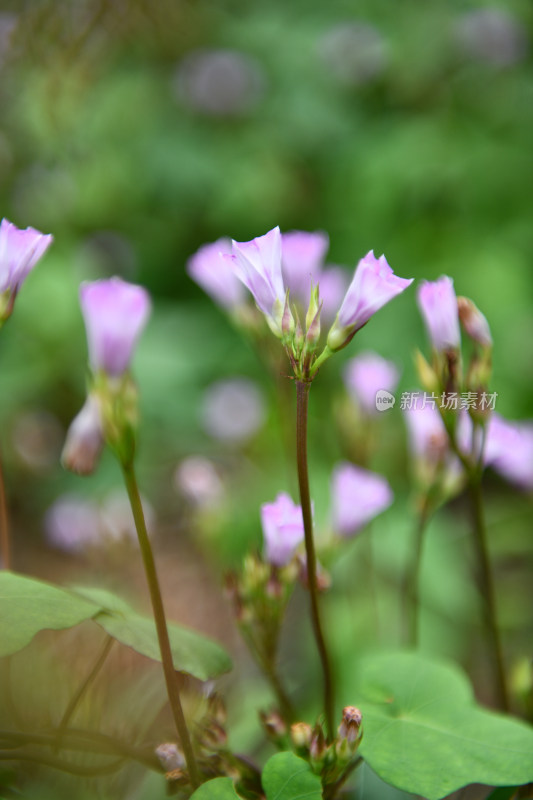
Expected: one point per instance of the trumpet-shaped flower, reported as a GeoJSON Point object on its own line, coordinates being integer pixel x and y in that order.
{"type": "Point", "coordinates": [367, 374]}
{"type": "Point", "coordinates": [258, 265]}
{"type": "Point", "coordinates": [438, 306]}
{"type": "Point", "coordinates": [115, 313]}
{"type": "Point", "coordinates": [358, 496]}
{"type": "Point", "coordinates": [373, 285]}
{"type": "Point", "coordinates": [215, 274]}
{"type": "Point", "coordinates": [283, 529]}
{"type": "Point", "coordinates": [20, 250]}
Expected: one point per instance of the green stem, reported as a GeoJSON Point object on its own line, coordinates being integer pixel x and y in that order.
{"type": "Point", "coordinates": [5, 545]}
{"type": "Point", "coordinates": [161, 624]}
{"type": "Point", "coordinates": [78, 696]}
{"type": "Point", "coordinates": [486, 585]}
{"type": "Point", "coordinates": [412, 581]}
{"type": "Point", "coordinates": [302, 403]}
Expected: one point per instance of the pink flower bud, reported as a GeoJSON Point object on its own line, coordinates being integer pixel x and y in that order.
{"type": "Point", "coordinates": [115, 313]}
{"type": "Point", "coordinates": [438, 306]}
{"type": "Point", "coordinates": [373, 285]}
{"type": "Point", "coordinates": [85, 439]}
{"type": "Point", "coordinates": [215, 274]}
{"type": "Point", "coordinates": [350, 726]}
{"type": "Point", "coordinates": [258, 265]}
{"type": "Point", "coordinates": [509, 450]}
{"type": "Point", "coordinates": [358, 496]}
{"type": "Point", "coordinates": [367, 374]}
{"type": "Point", "coordinates": [283, 529]}
{"type": "Point", "coordinates": [474, 322]}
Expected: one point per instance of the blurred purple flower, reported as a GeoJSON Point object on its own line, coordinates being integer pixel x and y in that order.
{"type": "Point", "coordinates": [258, 265]}
{"type": "Point", "coordinates": [355, 52]}
{"type": "Point", "coordinates": [492, 35]}
{"type": "Point", "coordinates": [358, 496]}
{"type": "Point", "coordinates": [72, 524]}
{"type": "Point", "coordinates": [438, 305]}
{"type": "Point", "coordinates": [367, 374]}
{"type": "Point", "coordinates": [303, 256]}
{"type": "Point", "coordinates": [233, 410]}
{"type": "Point", "coordinates": [115, 313]}
{"type": "Point", "coordinates": [373, 285]}
{"type": "Point", "coordinates": [283, 529]}
{"type": "Point", "coordinates": [198, 479]}
{"type": "Point", "coordinates": [332, 288]}
{"type": "Point", "coordinates": [220, 82]}
{"type": "Point", "coordinates": [509, 450]}
{"type": "Point", "coordinates": [428, 439]}
{"type": "Point", "coordinates": [20, 250]}
{"type": "Point", "coordinates": [215, 274]}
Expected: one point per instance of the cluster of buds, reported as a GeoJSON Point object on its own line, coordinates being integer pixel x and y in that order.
{"type": "Point", "coordinates": [333, 761]}
{"type": "Point", "coordinates": [260, 594]}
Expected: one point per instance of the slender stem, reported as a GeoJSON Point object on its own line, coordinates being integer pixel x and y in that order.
{"type": "Point", "coordinates": [5, 546]}
{"type": "Point", "coordinates": [486, 585]}
{"type": "Point", "coordinates": [302, 403]}
{"type": "Point", "coordinates": [161, 624]}
{"type": "Point", "coordinates": [285, 705]}
{"type": "Point", "coordinates": [78, 696]}
{"type": "Point", "coordinates": [412, 580]}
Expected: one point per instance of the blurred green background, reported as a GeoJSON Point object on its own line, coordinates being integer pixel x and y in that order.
{"type": "Point", "coordinates": [137, 131]}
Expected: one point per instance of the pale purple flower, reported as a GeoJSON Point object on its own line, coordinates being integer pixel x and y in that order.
{"type": "Point", "coordinates": [438, 305]}
{"type": "Point", "coordinates": [358, 496]}
{"type": "Point", "coordinates": [258, 265]}
{"type": "Point", "coordinates": [509, 450]}
{"type": "Point", "coordinates": [215, 274]}
{"type": "Point", "coordinates": [283, 529]}
{"type": "Point", "coordinates": [303, 258]}
{"type": "Point", "coordinates": [197, 478]}
{"type": "Point", "coordinates": [20, 250]}
{"type": "Point", "coordinates": [72, 524]}
{"type": "Point", "coordinates": [115, 312]}
{"type": "Point", "coordinates": [373, 285]}
{"type": "Point", "coordinates": [366, 375]}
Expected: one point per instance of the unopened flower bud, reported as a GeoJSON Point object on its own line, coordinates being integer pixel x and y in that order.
{"type": "Point", "coordinates": [274, 725]}
{"type": "Point", "coordinates": [85, 439]}
{"type": "Point", "coordinates": [301, 735]}
{"type": "Point", "coordinates": [426, 374]}
{"type": "Point", "coordinates": [288, 324]}
{"type": "Point", "coordinates": [350, 727]}
{"type": "Point", "coordinates": [170, 756]}
{"type": "Point", "coordinates": [474, 322]}
{"type": "Point", "coordinates": [349, 734]}
{"type": "Point", "coordinates": [314, 307]}
{"type": "Point", "coordinates": [318, 748]}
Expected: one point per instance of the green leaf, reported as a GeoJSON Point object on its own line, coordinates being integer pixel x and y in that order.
{"type": "Point", "coordinates": [28, 606]}
{"type": "Point", "coordinates": [503, 794]}
{"type": "Point", "coordinates": [217, 789]}
{"type": "Point", "coordinates": [192, 652]}
{"type": "Point", "coordinates": [424, 733]}
{"type": "Point", "coordinates": [287, 777]}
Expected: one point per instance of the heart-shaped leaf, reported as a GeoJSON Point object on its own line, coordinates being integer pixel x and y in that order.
{"type": "Point", "coordinates": [287, 777]}
{"type": "Point", "coordinates": [192, 652]}
{"type": "Point", "coordinates": [28, 606]}
{"type": "Point", "coordinates": [424, 733]}
{"type": "Point", "coordinates": [217, 789]}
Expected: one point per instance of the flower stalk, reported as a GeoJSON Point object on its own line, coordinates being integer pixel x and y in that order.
{"type": "Point", "coordinates": [302, 404]}
{"type": "Point", "coordinates": [161, 623]}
